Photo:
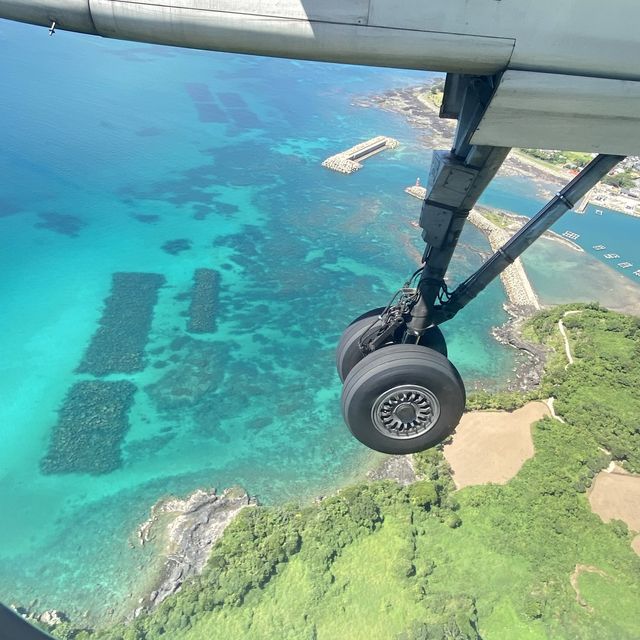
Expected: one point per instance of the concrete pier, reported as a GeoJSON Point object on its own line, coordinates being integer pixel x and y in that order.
{"type": "Point", "coordinates": [350, 160]}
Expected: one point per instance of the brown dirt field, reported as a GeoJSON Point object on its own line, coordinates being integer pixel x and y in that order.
{"type": "Point", "coordinates": [635, 544]}
{"type": "Point", "coordinates": [492, 446]}
{"type": "Point", "coordinates": [616, 495]}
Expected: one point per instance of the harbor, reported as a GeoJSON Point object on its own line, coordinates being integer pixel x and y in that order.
{"type": "Point", "coordinates": [350, 161]}
{"type": "Point", "coordinates": [625, 264]}
{"type": "Point", "coordinates": [604, 195]}
{"type": "Point", "coordinates": [515, 290]}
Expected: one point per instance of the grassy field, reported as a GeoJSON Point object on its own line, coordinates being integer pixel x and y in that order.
{"type": "Point", "coordinates": [500, 220]}
{"type": "Point", "coordinates": [427, 562]}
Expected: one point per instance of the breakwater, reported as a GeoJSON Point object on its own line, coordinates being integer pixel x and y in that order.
{"type": "Point", "coordinates": [514, 278]}
{"type": "Point", "coordinates": [350, 160]}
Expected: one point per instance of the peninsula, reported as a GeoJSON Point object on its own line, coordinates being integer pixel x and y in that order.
{"type": "Point", "coordinates": [420, 105]}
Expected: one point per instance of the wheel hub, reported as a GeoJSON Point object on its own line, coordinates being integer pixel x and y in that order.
{"type": "Point", "coordinates": [405, 412]}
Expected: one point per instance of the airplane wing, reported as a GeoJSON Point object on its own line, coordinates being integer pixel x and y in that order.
{"type": "Point", "coordinates": [571, 78]}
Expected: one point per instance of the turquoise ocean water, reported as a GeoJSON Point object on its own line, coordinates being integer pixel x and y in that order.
{"type": "Point", "coordinates": [109, 151]}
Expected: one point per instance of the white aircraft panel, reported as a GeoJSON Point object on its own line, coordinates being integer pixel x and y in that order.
{"type": "Point", "coordinates": [349, 12]}
{"type": "Point", "coordinates": [552, 111]}
{"type": "Point", "coordinates": [582, 37]}
{"type": "Point", "coordinates": [293, 38]}
{"type": "Point", "coordinates": [595, 38]}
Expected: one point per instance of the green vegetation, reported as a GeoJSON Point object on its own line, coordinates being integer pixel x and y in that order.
{"type": "Point", "coordinates": [500, 400]}
{"type": "Point", "coordinates": [576, 161]}
{"type": "Point", "coordinates": [434, 93]}
{"type": "Point", "coordinates": [623, 180]}
{"type": "Point", "coordinates": [499, 219]}
{"type": "Point", "coordinates": [566, 159]}
{"type": "Point", "coordinates": [380, 561]}
{"type": "Point", "coordinates": [599, 392]}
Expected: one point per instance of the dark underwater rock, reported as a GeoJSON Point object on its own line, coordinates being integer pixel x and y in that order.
{"type": "Point", "coordinates": [204, 301]}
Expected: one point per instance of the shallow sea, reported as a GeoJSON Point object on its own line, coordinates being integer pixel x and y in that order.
{"type": "Point", "coordinates": [109, 151]}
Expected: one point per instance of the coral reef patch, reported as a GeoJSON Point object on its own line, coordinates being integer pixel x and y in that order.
{"type": "Point", "coordinates": [118, 344]}
{"type": "Point", "coordinates": [194, 379]}
{"type": "Point", "coordinates": [62, 223]}
{"type": "Point", "coordinates": [92, 423]}
{"type": "Point", "coordinates": [224, 209]}
{"type": "Point", "coordinates": [174, 247]}
{"type": "Point", "coordinates": [146, 218]}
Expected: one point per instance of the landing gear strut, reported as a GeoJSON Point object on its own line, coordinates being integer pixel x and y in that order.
{"type": "Point", "coordinates": [401, 394]}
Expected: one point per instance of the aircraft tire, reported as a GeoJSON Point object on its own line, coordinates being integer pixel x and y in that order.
{"type": "Point", "coordinates": [348, 352]}
{"type": "Point", "coordinates": [403, 399]}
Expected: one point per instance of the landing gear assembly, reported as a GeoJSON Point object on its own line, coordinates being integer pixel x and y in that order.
{"type": "Point", "coordinates": [401, 394]}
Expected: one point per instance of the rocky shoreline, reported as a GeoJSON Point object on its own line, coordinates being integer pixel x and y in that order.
{"type": "Point", "coordinates": [50, 619]}
{"type": "Point", "coordinates": [187, 530]}
{"type": "Point", "coordinates": [397, 468]}
{"type": "Point", "coordinates": [523, 303]}
{"type": "Point", "coordinates": [528, 373]}
{"type": "Point", "coordinates": [423, 114]}
{"type": "Point", "coordinates": [420, 106]}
